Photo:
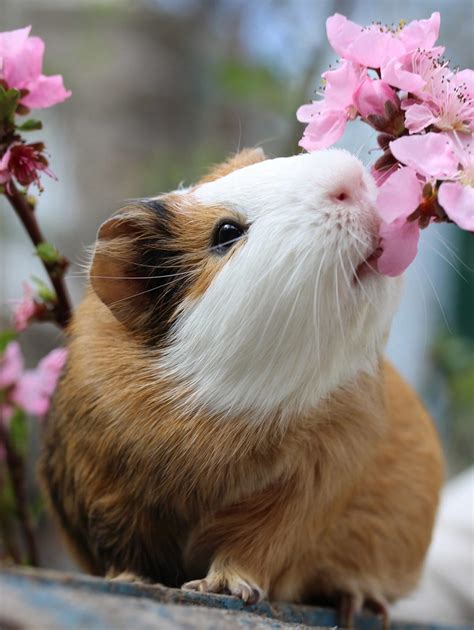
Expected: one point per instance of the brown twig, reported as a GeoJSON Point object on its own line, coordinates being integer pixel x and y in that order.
{"type": "Point", "coordinates": [17, 475]}
{"type": "Point", "coordinates": [55, 271]}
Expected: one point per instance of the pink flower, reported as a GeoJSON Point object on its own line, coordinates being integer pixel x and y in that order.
{"type": "Point", "coordinates": [5, 174]}
{"type": "Point", "coordinates": [399, 242]}
{"type": "Point", "coordinates": [432, 155]}
{"type": "Point", "coordinates": [447, 101]}
{"type": "Point", "coordinates": [397, 199]}
{"type": "Point", "coordinates": [399, 196]}
{"type": "Point", "coordinates": [11, 365]}
{"type": "Point", "coordinates": [375, 46]}
{"type": "Point", "coordinates": [371, 95]}
{"type": "Point", "coordinates": [34, 389]}
{"type": "Point", "coordinates": [327, 118]}
{"type": "Point", "coordinates": [27, 161]}
{"type": "Point", "coordinates": [31, 390]}
{"type": "Point", "coordinates": [25, 309]}
{"type": "Point", "coordinates": [21, 62]}
{"type": "Point", "coordinates": [457, 197]}
{"type": "Point", "coordinates": [399, 73]}
{"type": "Point", "coordinates": [458, 203]}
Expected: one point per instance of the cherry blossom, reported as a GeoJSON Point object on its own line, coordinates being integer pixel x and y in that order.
{"type": "Point", "coordinates": [5, 173]}
{"type": "Point", "coordinates": [457, 197]}
{"type": "Point", "coordinates": [25, 309]}
{"type": "Point", "coordinates": [399, 243]}
{"type": "Point", "coordinates": [432, 155]}
{"type": "Point", "coordinates": [30, 390]}
{"type": "Point", "coordinates": [395, 80]}
{"type": "Point", "coordinates": [371, 95]}
{"type": "Point", "coordinates": [447, 102]}
{"type": "Point", "coordinates": [21, 63]}
{"type": "Point", "coordinates": [11, 365]}
{"type": "Point", "coordinates": [327, 118]}
{"type": "Point", "coordinates": [376, 46]}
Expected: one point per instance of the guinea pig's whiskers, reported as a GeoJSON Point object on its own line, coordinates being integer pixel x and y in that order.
{"type": "Point", "coordinates": [85, 275]}
{"type": "Point", "coordinates": [270, 318]}
{"type": "Point", "coordinates": [425, 310]}
{"type": "Point", "coordinates": [130, 297]}
{"type": "Point", "coordinates": [452, 252]}
{"type": "Point", "coordinates": [316, 303]}
{"type": "Point", "coordinates": [449, 262]}
{"type": "Point", "coordinates": [338, 305]}
{"type": "Point", "coordinates": [290, 315]}
{"type": "Point", "coordinates": [234, 240]}
{"type": "Point", "coordinates": [370, 140]}
{"type": "Point", "coordinates": [354, 272]}
{"type": "Point", "coordinates": [346, 277]}
{"type": "Point", "coordinates": [430, 282]}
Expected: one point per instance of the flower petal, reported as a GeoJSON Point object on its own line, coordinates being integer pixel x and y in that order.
{"type": "Point", "coordinates": [418, 117]}
{"type": "Point", "coordinates": [371, 95]}
{"type": "Point", "coordinates": [29, 395]}
{"type": "Point", "coordinates": [45, 92]}
{"type": "Point", "coordinates": [374, 49]}
{"type": "Point", "coordinates": [11, 42]}
{"type": "Point", "coordinates": [400, 246]}
{"type": "Point", "coordinates": [306, 113]}
{"type": "Point", "coordinates": [342, 33]}
{"type": "Point", "coordinates": [50, 368]}
{"type": "Point", "coordinates": [324, 130]}
{"type": "Point", "coordinates": [5, 174]}
{"type": "Point", "coordinates": [397, 73]}
{"type": "Point", "coordinates": [341, 85]}
{"type": "Point", "coordinates": [11, 365]}
{"type": "Point", "coordinates": [421, 33]}
{"type": "Point", "coordinates": [26, 65]}
{"type": "Point", "coordinates": [399, 196]}
{"type": "Point", "coordinates": [458, 202]}
{"type": "Point", "coordinates": [431, 155]}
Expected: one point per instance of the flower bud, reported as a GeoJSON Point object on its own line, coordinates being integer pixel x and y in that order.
{"type": "Point", "coordinates": [371, 95]}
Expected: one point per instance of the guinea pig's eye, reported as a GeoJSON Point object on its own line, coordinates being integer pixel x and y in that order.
{"type": "Point", "coordinates": [225, 235]}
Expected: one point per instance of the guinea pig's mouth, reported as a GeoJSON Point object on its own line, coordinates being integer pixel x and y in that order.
{"type": "Point", "coordinates": [368, 266]}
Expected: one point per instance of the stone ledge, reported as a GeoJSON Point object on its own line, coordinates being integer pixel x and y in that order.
{"type": "Point", "coordinates": [38, 599]}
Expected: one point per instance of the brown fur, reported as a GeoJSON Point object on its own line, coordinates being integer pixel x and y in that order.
{"type": "Point", "coordinates": [341, 501]}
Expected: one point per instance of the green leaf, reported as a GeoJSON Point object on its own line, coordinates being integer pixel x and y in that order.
{"type": "Point", "coordinates": [19, 432]}
{"type": "Point", "coordinates": [44, 292]}
{"type": "Point", "coordinates": [5, 337]}
{"type": "Point", "coordinates": [8, 104]}
{"type": "Point", "coordinates": [31, 125]}
{"type": "Point", "coordinates": [48, 253]}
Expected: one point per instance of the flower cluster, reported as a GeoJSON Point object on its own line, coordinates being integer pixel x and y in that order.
{"type": "Point", "coordinates": [23, 87]}
{"type": "Point", "coordinates": [28, 390]}
{"type": "Point", "coordinates": [395, 80]}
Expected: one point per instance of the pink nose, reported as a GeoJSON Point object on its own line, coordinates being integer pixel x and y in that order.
{"type": "Point", "coordinates": [352, 188]}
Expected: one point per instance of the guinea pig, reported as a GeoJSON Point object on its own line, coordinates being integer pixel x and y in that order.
{"type": "Point", "coordinates": [227, 421]}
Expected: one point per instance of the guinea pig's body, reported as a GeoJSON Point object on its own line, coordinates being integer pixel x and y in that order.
{"type": "Point", "coordinates": [226, 419]}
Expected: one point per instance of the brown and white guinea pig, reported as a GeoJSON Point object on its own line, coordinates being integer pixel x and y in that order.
{"type": "Point", "coordinates": [226, 420]}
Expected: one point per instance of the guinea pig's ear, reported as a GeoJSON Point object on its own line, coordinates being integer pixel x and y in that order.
{"type": "Point", "coordinates": [132, 269]}
{"type": "Point", "coordinates": [111, 271]}
{"type": "Point", "coordinates": [246, 157]}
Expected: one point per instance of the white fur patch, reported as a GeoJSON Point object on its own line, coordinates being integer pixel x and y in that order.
{"type": "Point", "coordinates": [284, 322]}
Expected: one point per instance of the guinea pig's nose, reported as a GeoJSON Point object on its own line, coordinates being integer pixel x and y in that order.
{"type": "Point", "coordinates": [350, 189]}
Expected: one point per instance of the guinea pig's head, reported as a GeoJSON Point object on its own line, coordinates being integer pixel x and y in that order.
{"type": "Point", "coordinates": [255, 287]}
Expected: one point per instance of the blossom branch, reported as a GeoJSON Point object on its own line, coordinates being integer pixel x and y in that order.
{"type": "Point", "coordinates": [16, 470]}
{"type": "Point", "coordinates": [55, 270]}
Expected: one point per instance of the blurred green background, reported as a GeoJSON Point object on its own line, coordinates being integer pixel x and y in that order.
{"type": "Point", "coordinates": [162, 89]}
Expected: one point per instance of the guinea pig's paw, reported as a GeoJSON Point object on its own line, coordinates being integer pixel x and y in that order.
{"type": "Point", "coordinates": [228, 582]}
{"type": "Point", "coordinates": [124, 576]}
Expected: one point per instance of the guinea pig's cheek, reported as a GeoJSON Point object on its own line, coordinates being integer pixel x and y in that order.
{"type": "Point", "coordinates": [213, 266]}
